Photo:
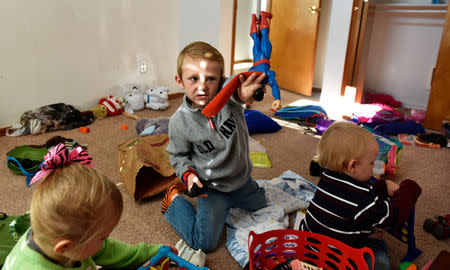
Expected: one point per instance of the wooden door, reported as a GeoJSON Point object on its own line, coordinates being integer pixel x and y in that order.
{"type": "Point", "coordinates": [438, 107]}
{"type": "Point", "coordinates": [293, 34]}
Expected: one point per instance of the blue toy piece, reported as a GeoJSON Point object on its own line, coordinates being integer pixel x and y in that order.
{"type": "Point", "coordinates": [262, 49]}
{"type": "Point", "coordinates": [165, 252]}
{"type": "Point", "coordinates": [24, 172]}
{"type": "Point", "coordinates": [406, 235]}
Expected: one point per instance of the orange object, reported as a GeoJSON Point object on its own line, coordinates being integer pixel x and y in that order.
{"type": "Point", "coordinates": [217, 103]}
{"type": "Point", "coordinates": [84, 129]}
{"type": "Point", "coordinates": [124, 127]}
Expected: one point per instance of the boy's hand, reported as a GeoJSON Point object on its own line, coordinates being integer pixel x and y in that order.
{"type": "Point", "coordinates": [192, 178]}
{"type": "Point", "coordinates": [391, 187]}
{"type": "Point", "coordinates": [249, 86]}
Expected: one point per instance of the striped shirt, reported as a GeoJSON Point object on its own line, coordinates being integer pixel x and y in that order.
{"type": "Point", "coordinates": [349, 211]}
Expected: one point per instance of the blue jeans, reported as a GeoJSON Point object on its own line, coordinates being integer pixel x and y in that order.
{"type": "Point", "coordinates": [203, 229]}
{"type": "Point", "coordinates": [379, 250]}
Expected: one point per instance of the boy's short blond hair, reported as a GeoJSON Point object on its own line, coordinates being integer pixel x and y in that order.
{"type": "Point", "coordinates": [341, 143]}
{"type": "Point", "coordinates": [202, 50]}
{"type": "Point", "coordinates": [68, 203]}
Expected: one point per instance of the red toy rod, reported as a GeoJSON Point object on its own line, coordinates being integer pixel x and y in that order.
{"type": "Point", "coordinates": [213, 107]}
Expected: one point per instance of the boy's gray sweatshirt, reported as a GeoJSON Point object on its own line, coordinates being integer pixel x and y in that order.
{"type": "Point", "coordinates": [220, 157]}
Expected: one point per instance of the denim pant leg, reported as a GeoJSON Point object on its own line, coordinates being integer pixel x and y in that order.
{"type": "Point", "coordinates": [200, 229]}
{"type": "Point", "coordinates": [249, 197]}
{"type": "Point", "coordinates": [203, 229]}
{"type": "Point", "coordinates": [379, 250]}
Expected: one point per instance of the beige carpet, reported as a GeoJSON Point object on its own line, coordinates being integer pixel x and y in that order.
{"type": "Point", "coordinates": [288, 149]}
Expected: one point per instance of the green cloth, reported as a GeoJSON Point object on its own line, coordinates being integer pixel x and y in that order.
{"type": "Point", "coordinates": [11, 228]}
{"type": "Point", "coordinates": [114, 254]}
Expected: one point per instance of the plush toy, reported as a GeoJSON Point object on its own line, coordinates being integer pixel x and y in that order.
{"type": "Point", "coordinates": [152, 126]}
{"type": "Point", "coordinates": [134, 101]}
{"type": "Point", "coordinates": [99, 111]}
{"type": "Point", "coordinates": [113, 105]}
{"type": "Point", "coordinates": [157, 98]}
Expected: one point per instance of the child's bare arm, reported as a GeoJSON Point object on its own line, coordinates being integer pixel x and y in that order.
{"type": "Point", "coordinates": [249, 86]}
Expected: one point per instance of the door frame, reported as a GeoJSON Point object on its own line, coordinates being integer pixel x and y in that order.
{"type": "Point", "coordinates": [357, 50]}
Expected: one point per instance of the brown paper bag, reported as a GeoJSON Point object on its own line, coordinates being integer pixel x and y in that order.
{"type": "Point", "coordinates": [144, 166]}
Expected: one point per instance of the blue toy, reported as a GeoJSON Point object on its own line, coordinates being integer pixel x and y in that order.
{"type": "Point", "coordinates": [262, 49]}
{"type": "Point", "coordinates": [308, 113]}
{"type": "Point", "coordinates": [165, 252]}
{"type": "Point", "coordinates": [406, 235]}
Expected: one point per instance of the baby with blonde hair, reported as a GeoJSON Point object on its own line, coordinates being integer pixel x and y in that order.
{"type": "Point", "coordinates": [346, 206]}
{"type": "Point", "coordinates": [73, 211]}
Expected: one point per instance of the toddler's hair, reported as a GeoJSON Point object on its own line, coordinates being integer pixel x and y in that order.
{"type": "Point", "coordinates": [202, 50]}
{"type": "Point", "coordinates": [68, 203]}
{"type": "Point", "coordinates": [340, 143]}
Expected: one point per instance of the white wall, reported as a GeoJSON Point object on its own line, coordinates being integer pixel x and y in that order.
{"type": "Point", "coordinates": [79, 51]}
{"type": "Point", "coordinates": [76, 51]}
{"type": "Point", "coordinates": [243, 48]}
{"type": "Point", "coordinates": [336, 47]}
{"type": "Point", "coordinates": [402, 54]}
{"type": "Point", "coordinates": [198, 20]}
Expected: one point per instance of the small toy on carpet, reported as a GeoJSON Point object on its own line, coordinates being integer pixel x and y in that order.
{"type": "Point", "coordinates": [152, 126]}
{"type": "Point", "coordinates": [84, 130]}
{"type": "Point", "coordinates": [407, 266]}
{"type": "Point", "coordinates": [113, 105]}
{"type": "Point", "coordinates": [439, 227]}
{"type": "Point", "coordinates": [134, 101]}
{"type": "Point", "coordinates": [157, 98]}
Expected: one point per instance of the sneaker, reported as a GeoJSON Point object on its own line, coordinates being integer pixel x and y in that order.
{"type": "Point", "coordinates": [197, 258]}
{"type": "Point", "coordinates": [172, 190]}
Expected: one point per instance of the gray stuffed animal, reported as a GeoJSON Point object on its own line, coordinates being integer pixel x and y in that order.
{"type": "Point", "coordinates": [152, 126]}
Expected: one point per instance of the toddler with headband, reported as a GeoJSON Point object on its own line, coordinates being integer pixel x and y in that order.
{"type": "Point", "coordinates": [73, 211]}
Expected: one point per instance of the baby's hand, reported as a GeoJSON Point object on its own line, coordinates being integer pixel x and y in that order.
{"type": "Point", "coordinates": [249, 86]}
{"type": "Point", "coordinates": [391, 187]}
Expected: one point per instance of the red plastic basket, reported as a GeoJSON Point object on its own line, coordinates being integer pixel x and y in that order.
{"type": "Point", "coordinates": [312, 248]}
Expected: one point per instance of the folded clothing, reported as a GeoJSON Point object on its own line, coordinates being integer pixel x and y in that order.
{"type": "Point", "coordinates": [405, 127]}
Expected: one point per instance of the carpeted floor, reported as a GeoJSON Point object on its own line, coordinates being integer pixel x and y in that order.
{"type": "Point", "coordinates": [288, 149]}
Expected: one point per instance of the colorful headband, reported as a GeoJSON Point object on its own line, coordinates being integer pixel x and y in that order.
{"type": "Point", "coordinates": [59, 157]}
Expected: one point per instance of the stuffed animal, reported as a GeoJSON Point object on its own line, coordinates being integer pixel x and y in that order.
{"type": "Point", "coordinates": [134, 101]}
{"type": "Point", "coordinates": [157, 98]}
{"type": "Point", "coordinates": [99, 111]}
{"type": "Point", "coordinates": [152, 126]}
{"type": "Point", "coordinates": [112, 104]}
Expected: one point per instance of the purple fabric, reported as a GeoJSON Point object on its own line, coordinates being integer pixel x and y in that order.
{"type": "Point", "coordinates": [406, 127]}
{"type": "Point", "coordinates": [322, 125]}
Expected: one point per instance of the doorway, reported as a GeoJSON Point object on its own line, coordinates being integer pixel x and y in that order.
{"type": "Point", "coordinates": [293, 34]}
